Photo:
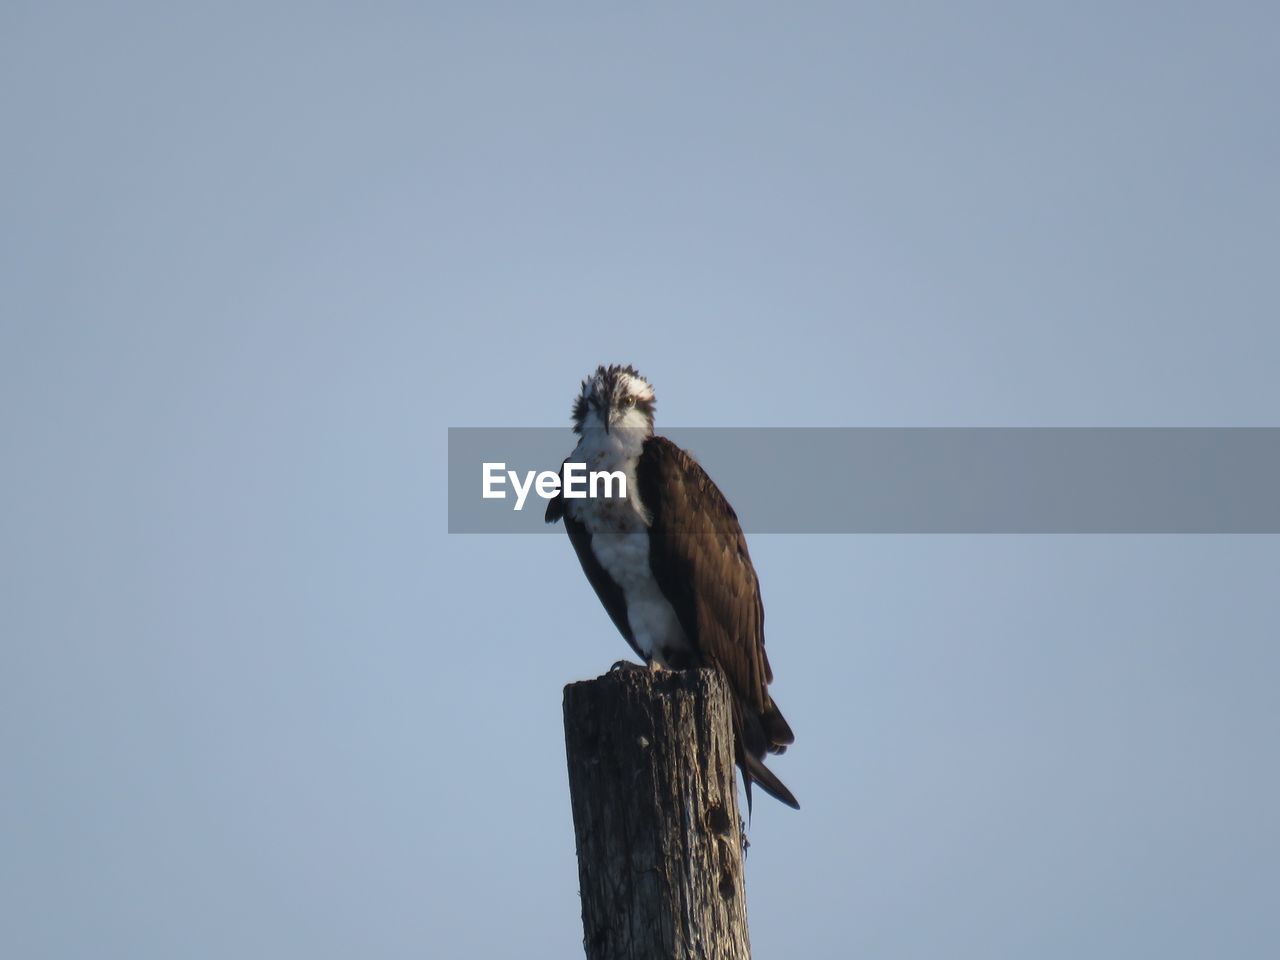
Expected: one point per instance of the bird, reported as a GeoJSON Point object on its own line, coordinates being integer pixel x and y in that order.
{"type": "Point", "coordinates": [669, 562]}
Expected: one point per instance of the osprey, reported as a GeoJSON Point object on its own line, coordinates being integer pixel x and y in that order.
{"type": "Point", "coordinates": [670, 563]}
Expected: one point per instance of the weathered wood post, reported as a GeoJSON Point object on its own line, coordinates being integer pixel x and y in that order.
{"type": "Point", "coordinates": [655, 816]}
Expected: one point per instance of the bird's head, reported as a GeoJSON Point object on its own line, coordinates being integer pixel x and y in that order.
{"type": "Point", "coordinates": [612, 399]}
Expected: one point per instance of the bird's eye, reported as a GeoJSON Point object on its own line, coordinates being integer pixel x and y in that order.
{"type": "Point", "coordinates": [629, 402]}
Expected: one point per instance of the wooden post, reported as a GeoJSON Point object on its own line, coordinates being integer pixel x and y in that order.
{"type": "Point", "coordinates": [655, 816]}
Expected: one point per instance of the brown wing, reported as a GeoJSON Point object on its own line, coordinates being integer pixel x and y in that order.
{"type": "Point", "coordinates": [699, 557]}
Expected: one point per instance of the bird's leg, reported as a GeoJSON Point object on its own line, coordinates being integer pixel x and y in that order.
{"type": "Point", "coordinates": [623, 666]}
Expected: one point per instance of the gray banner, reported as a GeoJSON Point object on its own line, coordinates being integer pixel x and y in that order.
{"type": "Point", "coordinates": [926, 480]}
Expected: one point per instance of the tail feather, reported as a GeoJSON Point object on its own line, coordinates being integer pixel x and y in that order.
{"type": "Point", "coordinates": [754, 770]}
{"type": "Point", "coordinates": [776, 729]}
{"type": "Point", "coordinates": [756, 735]}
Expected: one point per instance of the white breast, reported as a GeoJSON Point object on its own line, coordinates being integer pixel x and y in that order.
{"type": "Point", "coordinates": [620, 541]}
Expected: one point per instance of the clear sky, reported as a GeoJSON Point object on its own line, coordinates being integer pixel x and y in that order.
{"type": "Point", "coordinates": [255, 702]}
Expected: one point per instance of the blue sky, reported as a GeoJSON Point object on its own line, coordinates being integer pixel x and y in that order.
{"type": "Point", "coordinates": [257, 258]}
